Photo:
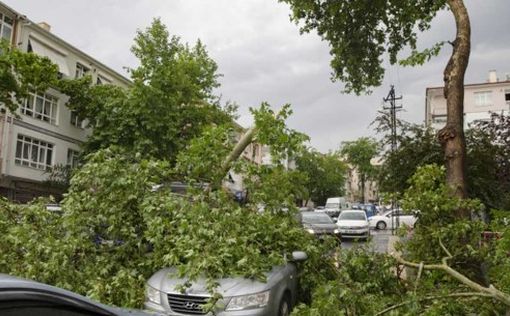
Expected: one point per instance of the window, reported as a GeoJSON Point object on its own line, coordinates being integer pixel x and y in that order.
{"type": "Point", "coordinates": [41, 106]}
{"type": "Point", "coordinates": [439, 119]}
{"type": "Point", "coordinates": [6, 27]}
{"type": "Point", "coordinates": [102, 80]}
{"type": "Point", "coordinates": [33, 153]}
{"type": "Point", "coordinates": [76, 120]}
{"type": "Point", "coordinates": [483, 98]}
{"type": "Point", "coordinates": [507, 95]}
{"type": "Point", "coordinates": [72, 158]}
{"type": "Point", "coordinates": [80, 71]}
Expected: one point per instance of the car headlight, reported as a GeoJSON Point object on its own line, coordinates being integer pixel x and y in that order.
{"type": "Point", "coordinates": [311, 231]}
{"type": "Point", "coordinates": [248, 301]}
{"type": "Point", "coordinates": [153, 295]}
{"type": "Point", "coordinates": [336, 231]}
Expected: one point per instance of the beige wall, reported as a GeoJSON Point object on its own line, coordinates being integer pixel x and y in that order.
{"type": "Point", "coordinates": [63, 135]}
{"type": "Point", "coordinates": [436, 103]}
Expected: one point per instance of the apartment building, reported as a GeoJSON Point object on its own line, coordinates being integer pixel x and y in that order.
{"type": "Point", "coordinates": [45, 133]}
{"type": "Point", "coordinates": [480, 99]}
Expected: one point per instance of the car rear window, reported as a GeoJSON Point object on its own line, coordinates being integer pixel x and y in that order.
{"type": "Point", "coordinates": [352, 216]}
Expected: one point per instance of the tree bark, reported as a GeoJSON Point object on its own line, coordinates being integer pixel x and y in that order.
{"type": "Point", "coordinates": [246, 140]}
{"type": "Point", "coordinates": [451, 136]}
{"type": "Point", "coordinates": [362, 188]}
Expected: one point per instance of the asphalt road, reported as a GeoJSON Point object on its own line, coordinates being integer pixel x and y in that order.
{"type": "Point", "coordinates": [378, 242]}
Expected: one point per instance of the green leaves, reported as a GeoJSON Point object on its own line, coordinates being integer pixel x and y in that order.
{"type": "Point", "coordinates": [419, 58]}
{"type": "Point", "coordinates": [20, 72]}
{"type": "Point", "coordinates": [325, 175]}
{"type": "Point", "coordinates": [361, 32]}
{"type": "Point", "coordinates": [169, 104]}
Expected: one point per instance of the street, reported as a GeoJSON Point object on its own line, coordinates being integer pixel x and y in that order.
{"type": "Point", "coordinates": [378, 242]}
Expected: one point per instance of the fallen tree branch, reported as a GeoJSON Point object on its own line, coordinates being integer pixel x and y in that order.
{"type": "Point", "coordinates": [238, 149]}
{"type": "Point", "coordinates": [490, 291]}
{"type": "Point", "coordinates": [433, 297]}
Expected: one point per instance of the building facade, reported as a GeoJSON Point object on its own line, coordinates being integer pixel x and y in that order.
{"type": "Point", "coordinates": [480, 100]}
{"type": "Point", "coordinates": [353, 185]}
{"type": "Point", "coordinates": [45, 133]}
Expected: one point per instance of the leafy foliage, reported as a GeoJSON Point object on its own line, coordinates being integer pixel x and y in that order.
{"type": "Point", "coordinates": [360, 33]}
{"type": "Point", "coordinates": [116, 230]}
{"type": "Point", "coordinates": [363, 285]}
{"type": "Point", "coordinates": [325, 173]}
{"type": "Point", "coordinates": [169, 103]}
{"type": "Point", "coordinates": [437, 223]}
{"type": "Point", "coordinates": [20, 72]}
{"type": "Point", "coordinates": [487, 158]}
{"type": "Point", "coordinates": [417, 146]}
{"type": "Point", "coordinates": [490, 178]}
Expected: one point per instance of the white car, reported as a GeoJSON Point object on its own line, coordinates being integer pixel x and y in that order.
{"type": "Point", "coordinates": [392, 219]}
{"type": "Point", "coordinates": [353, 224]}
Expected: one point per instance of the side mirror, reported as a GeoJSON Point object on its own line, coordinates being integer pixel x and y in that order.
{"type": "Point", "coordinates": [299, 256]}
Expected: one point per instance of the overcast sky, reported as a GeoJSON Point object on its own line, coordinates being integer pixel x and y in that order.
{"type": "Point", "coordinates": [263, 57]}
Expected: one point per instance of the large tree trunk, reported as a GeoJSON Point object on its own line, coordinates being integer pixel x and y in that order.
{"type": "Point", "coordinates": [452, 135]}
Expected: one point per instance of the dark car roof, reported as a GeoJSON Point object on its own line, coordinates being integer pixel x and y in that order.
{"type": "Point", "coordinates": [10, 284]}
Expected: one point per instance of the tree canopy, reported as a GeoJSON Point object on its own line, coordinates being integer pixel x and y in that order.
{"type": "Point", "coordinates": [487, 156]}
{"type": "Point", "coordinates": [325, 175]}
{"type": "Point", "coordinates": [22, 72]}
{"type": "Point", "coordinates": [169, 103]}
{"type": "Point", "coordinates": [360, 33]}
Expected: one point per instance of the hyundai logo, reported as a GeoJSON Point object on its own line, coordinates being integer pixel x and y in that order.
{"type": "Point", "coordinates": [191, 305]}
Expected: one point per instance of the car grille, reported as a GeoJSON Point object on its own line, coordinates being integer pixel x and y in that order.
{"type": "Point", "coordinates": [187, 304]}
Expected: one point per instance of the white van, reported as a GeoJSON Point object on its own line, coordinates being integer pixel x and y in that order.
{"type": "Point", "coordinates": [335, 205]}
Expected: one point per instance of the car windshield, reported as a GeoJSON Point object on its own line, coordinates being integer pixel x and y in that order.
{"type": "Point", "coordinates": [316, 218]}
{"type": "Point", "coordinates": [356, 216]}
{"type": "Point", "coordinates": [332, 205]}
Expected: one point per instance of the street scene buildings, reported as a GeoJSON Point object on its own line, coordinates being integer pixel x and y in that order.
{"type": "Point", "coordinates": [480, 99]}
{"type": "Point", "coordinates": [214, 158]}
{"type": "Point", "coordinates": [45, 133]}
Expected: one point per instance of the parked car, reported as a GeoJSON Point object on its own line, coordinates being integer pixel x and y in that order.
{"type": "Point", "coordinates": [21, 297]}
{"type": "Point", "coordinates": [319, 224]}
{"type": "Point", "coordinates": [241, 296]}
{"type": "Point", "coordinates": [353, 224]}
{"type": "Point", "coordinates": [391, 218]}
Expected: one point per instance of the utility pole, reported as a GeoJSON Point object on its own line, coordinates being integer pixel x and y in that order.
{"type": "Point", "coordinates": [391, 98]}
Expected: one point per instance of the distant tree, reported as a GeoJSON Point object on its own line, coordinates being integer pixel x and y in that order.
{"type": "Point", "coordinates": [325, 175]}
{"type": "Point", "coordinates": [417, 146]}
{"type": "Point", "coordinates": [170, 102]}
{"type": "Point", "coordinates": [21, 72]}
{"type": "Point", "coordinates": [359, 154]}
{"type": "Point", "coordinates": [488, 155]}
{"type": "Point", "coordinates": [361, 32]}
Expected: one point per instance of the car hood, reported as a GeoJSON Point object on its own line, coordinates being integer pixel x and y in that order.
{"type": "Point", "coordinates": [166, 280]}
{"type": "Point", "coordinates": [352, 223]}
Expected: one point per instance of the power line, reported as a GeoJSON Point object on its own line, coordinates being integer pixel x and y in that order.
{"type": "Point", "coordinates": [391, 98]}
